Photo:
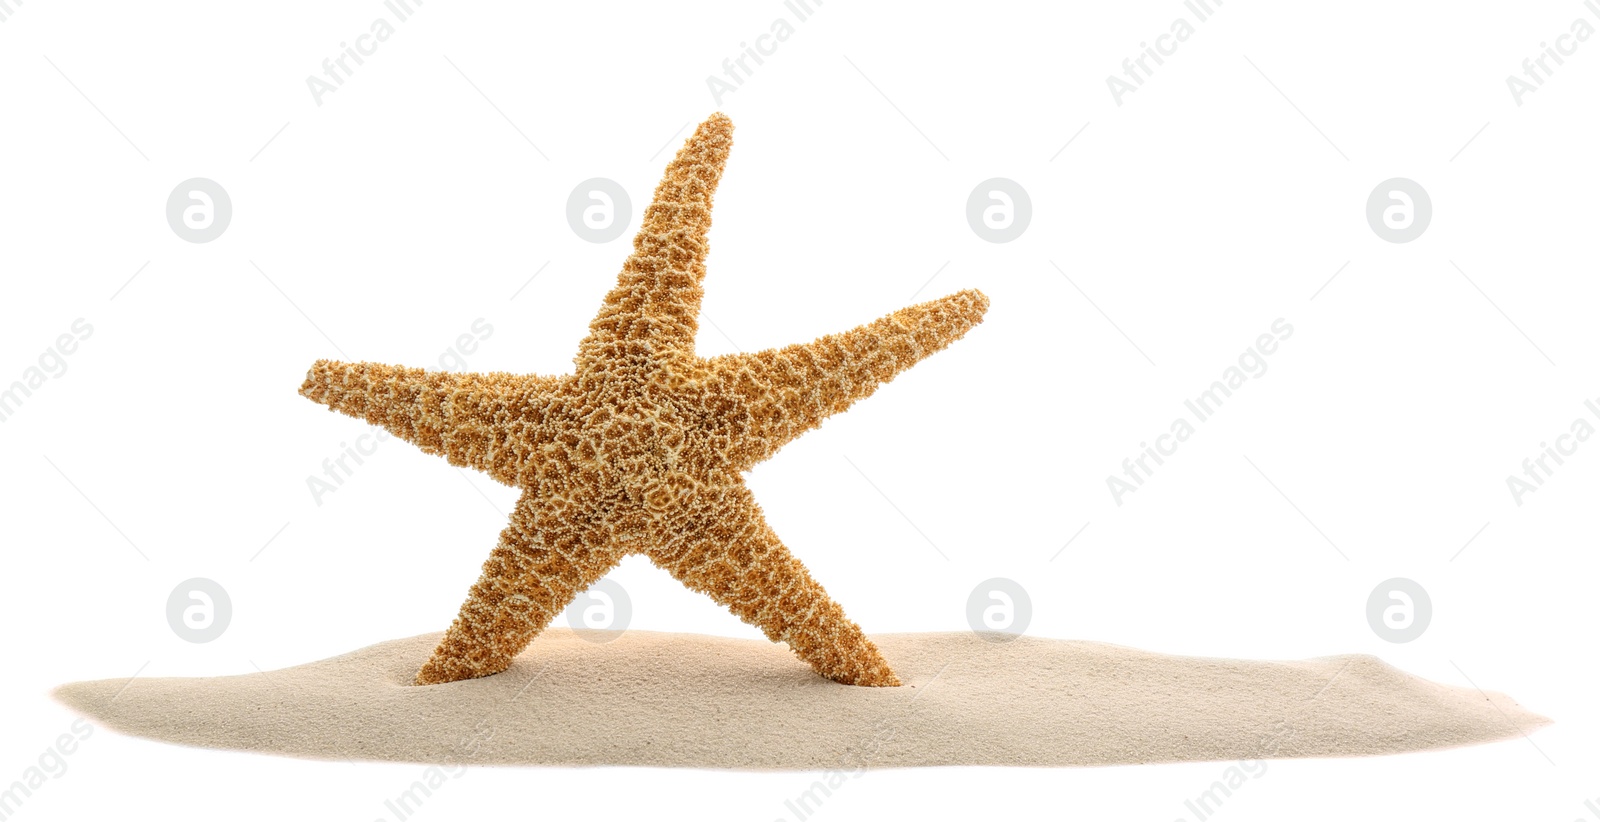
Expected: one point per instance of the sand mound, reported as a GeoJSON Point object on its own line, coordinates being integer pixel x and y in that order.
{"type": "Point", "coordinates": [679, 700]}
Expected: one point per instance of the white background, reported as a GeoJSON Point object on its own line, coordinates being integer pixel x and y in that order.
{"type": "Point", "coordinates": [406, 206]}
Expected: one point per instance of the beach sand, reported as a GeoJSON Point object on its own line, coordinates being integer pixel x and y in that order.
{"type": "Point", "coordinates": [680, 700]}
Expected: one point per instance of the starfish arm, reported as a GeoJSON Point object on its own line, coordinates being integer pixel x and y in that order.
{"type": "Point", "coordinates": [725, 550]}
{"type": "Point", "coordinates": [445, 414]}
{"type": "Point", "coordinates": [545, 556]}
{"type": "Point", "coordinates": [781, 393]}
{"type": "Point", "coordinates": [657, 297]}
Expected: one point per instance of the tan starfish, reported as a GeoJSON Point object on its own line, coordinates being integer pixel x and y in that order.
{"type": "Point", "coordinates": [642, 448]}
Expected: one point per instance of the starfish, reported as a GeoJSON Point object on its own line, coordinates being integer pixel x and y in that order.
{"type": "Point", "coordinates": [642, 448]}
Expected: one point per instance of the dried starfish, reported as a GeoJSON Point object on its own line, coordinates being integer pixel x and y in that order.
{"type": "Point", "coordinates": [642, 449]}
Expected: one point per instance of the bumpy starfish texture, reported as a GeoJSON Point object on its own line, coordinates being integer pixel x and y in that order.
{"type": "Point", "coordinates": [643, 447]}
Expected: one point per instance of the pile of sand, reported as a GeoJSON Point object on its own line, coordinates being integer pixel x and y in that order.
{"type": "Point", "coordinates": [677, 700]}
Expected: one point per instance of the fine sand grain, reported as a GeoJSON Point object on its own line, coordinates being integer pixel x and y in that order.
{"type": "Point", "coordinates": [678, 700]}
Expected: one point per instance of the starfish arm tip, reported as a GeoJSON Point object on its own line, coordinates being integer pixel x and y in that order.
{"type": "Point", "coordinates": [972, 304]}
{"type": "Point", "coordinates": [314, 386]}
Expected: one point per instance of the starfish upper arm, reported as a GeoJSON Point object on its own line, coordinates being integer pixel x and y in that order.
{"type": "Point", "coordinates": [784, 392]}
{"type": "Point", "coordinates": [656, 300]}
{"type": "Point", "coordinates": [443, 413]}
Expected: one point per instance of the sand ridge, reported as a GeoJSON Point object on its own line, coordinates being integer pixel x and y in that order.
{"type": "Point", "coordinates": [681, 700]}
